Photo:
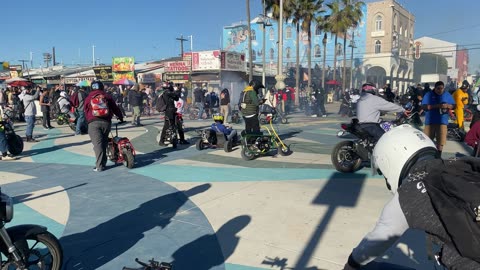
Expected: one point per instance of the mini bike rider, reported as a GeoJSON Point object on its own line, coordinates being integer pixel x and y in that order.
{"type": "Point", "coordinates": [170, 96]}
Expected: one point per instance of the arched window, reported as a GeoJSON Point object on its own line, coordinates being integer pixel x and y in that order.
{"type": "Point", "coordinates": [272, 34]}
{"type": "Point", "coordinates": [272, 54]}
{"type": "Point", "coordinates": [288, 32]}
{"type": "Point", "coordinates": [378, 46]}
{"type": "Point", "coordinates": [316, 51]}
{"type": "Point", "coordinates": [378, 23]}
{"type": "Point", "coordinates": [254, 35]}
{"type": "Point", "coordinates": [318, 30]}
{"type": "Point", "coordinates": [288, 53]}
{"type": "Point", "coordinates": [254, 55]}
{"type": "Point", "coordinates": [395, 22]}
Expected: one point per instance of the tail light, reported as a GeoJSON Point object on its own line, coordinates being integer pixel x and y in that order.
{"type": "Point", "coordinates": [344, 126]}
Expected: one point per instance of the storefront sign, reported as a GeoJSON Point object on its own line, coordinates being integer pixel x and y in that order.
{"type": "Point", "coordinates": [233, 61]}
{"type": "Point", "coordinates": [75, 80]}
{"type": "Point", "coordinates": [207, 60]}
{"type": "Point", "coordinates": [123, 64]}
{"type": "Point", "coordinates": [123, 75]}
{"type": "Point", "coordinates": [176, 77]}
{"type": "Point", "coordinates": [146, 78]}
{"type": "Point", "coordinates": [103, 73]}
{"type": "Point", "coordinates": [177, 66]}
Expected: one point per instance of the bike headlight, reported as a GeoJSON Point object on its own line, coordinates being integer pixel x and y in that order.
{"type": "Point", "coordinates": [6, 208]}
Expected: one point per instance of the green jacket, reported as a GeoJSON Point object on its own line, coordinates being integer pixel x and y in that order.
{"type": "Point", "coordinates": [251, 99]}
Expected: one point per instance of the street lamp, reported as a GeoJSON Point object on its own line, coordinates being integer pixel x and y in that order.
{"type": "Point", "coordinates": [280, 77]}
{"type": "Point", "coordinates": [264, 21]}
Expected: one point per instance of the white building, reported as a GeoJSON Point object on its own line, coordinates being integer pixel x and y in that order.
{"type": "Point", "coordinates": [443, 48]}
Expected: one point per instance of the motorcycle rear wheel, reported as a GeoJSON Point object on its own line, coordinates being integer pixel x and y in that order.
{"type": "Point", "coordinates": [15, 145]}
{"type": "Point", "coordinates": [42, 251]}
{"type": "Point", "coordinates": [344, 159]}
{"type": "Point", "coordinates": [128, 158]}
{"type": "Point", "coordinates": [247, 154]}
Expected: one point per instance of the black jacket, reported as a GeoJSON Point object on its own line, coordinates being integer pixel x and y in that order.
{"type": "Point", "coordinates": [170, 98]}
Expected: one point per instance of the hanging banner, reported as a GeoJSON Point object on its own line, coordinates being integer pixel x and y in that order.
{"type": "Point", "coordinates": [206, 60]}
{"type": "Point", "coordinates": [103, 73]}
{"type": "Point", "coordinates": [123, 64]}
{"type": "Point", "coordinates": [123, 75]}
{"type": "Point", "coordinates": [233, 61]}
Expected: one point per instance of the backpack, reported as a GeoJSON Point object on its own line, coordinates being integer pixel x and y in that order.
{"type": "Point", "coordinates": [161, 104]}
{"type": "Point", "coordinates": [99, 106]}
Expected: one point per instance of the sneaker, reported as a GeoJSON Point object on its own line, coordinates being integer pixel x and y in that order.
{"type": "Point", "coordinates": [313, 115]}
{"type": "Point", "coordinates": [162, 144]}
{"type": "Point", "coordinates": [7, 157]}
{"type": "Point", "coordinates": [97, 169]}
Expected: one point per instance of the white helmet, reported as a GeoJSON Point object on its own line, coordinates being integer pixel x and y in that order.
{"type": "Point", "coordinates": [397, 151]}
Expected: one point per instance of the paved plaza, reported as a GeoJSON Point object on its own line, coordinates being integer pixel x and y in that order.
{"type": "Point", "coordinates": [204, 209]}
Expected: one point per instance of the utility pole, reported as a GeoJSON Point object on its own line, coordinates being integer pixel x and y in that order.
{"type": "Point", "coordinates": [181, 39]}
{"type": "Point", "coordinates": [352, 44]}
{"type": "Point", "coordinates": [23, 66]}
{"type": "Point", "coordinates": [93, 55]}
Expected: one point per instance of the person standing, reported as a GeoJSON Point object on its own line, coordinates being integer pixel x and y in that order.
{"type": "Point", "coordinates": [78, 101]}
{"type": "Point", "coordinates": [436, 104]}
{"type": "Point", "coordinates": [45, 107]}
{"type": "Point", "coordinates": [461, 99]}
{"type": "Point", "coordinates": [169, 96]}
{"type": "Point", "coordinates": [250, 108]}
{"type": "Point", "coordinates": [135, 96]}
{"type": "Point", "coordinates": [199, 95]}
{"type": "Point", "coordinates": [99, 107]}
{"type": "Point", "coordinates": [30, 111]}
{"type": "Point", "coordinates": [225, 104]}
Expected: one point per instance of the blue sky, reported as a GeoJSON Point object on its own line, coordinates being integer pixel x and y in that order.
{"type": "Point", "coordinates": [147, 29]}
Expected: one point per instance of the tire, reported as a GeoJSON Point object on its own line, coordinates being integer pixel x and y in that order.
{"type": "Point", "coordinates": [246, 154]}
{"type": "Point", "coordinates": [284, 120]}
{"type": "Point", "coordinates": [199, 145]}
{"type": "Point", "coordinates": [15, 145]}
{"type": "Point", "coordinates": [227, 146]}
{"type": "Point", "coordinates": [128, 158]}
{"type": "Point", "coordinates": [60, 122]}
{"type": "Point", "coordinates": [43, 248]}
{"type": "Point", "coordinates": [284, 151]}
{"type": "Point", "coordinates": [343, 152]}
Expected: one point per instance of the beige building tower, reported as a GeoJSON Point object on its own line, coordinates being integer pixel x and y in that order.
{"type": "Point", "coordinates": [389, 45]}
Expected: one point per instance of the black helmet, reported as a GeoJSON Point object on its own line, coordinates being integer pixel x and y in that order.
{"type": "Point", "coordinates": [97, 85]}
{"type": "Point", "coordinates": [369, 88]}
{"type": "Point", "coordinates": [256, 85]}
{"type": "Point", "coordinates": [465, 84]}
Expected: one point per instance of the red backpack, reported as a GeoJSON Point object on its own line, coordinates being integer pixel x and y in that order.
{"type": "Point", "coordinates": [99, 106]}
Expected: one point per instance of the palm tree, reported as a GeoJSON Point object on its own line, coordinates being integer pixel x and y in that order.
{"type": "Point", "coordinates": [311, 9]}
{"type": "Point", "coordinates": [296, 15]}
{"type": "Point", "coordinates": [352, 13]}
{"type": "Point", "coordinates": [323, 23]}
{"type": "Point", "coordinates": [338, 24]}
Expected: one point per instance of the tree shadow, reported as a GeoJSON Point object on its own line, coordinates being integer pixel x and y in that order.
{"type": "Point", "coordinates": [204, 252]}
{"type": "Point", "coordinates": [33, 152]}
{"type": "Point", "coordinates": [97, 246]}
{"type": "Point", "coordinates": [26, 197]}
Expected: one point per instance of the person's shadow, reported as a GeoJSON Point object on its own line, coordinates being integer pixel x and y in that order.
{"type": "Point", "coordinates": [97, 246]}
{"type": "Point", "coordinates": [204, 253]}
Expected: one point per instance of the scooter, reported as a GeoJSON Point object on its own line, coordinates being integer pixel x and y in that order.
{"type": "Point", "coordinates": [120, 149]}
{"type": "Point", "coordinates": [26, 246]}
{"type": "Point", "coordinates": [255, 145]}
{"type": "Point", "coordinates": [14, 141]}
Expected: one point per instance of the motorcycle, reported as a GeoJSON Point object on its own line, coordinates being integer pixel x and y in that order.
{"type": "Point", "coordinates": [348, 156]}
{"type": "Point", "coordinates": [14, 141]}
{"type": "Point", "coordinates": [121, 150]}
{"type": "Point", "coordinates": [26, 246]}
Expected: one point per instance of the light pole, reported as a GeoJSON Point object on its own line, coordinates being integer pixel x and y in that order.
{"type": "Point", "coordinates": [264, 21]}
{"type": "Point", "coordinates": [352, 44]}
{"type": "Point", "coordinates": [280, 77]}
{"type": "Point", "coordinates": [93, 55]}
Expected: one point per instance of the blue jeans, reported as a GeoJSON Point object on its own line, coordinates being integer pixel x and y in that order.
{"type": "Point", "coordinates": [200, 109]}
{"type": "Point", "coordinates": [3, 142]}
{"type": "Point", "coordinates": [30, 119]}
{"type": "Point", "coordinates": [80, 122]}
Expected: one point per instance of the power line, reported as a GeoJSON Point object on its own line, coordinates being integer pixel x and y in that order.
{"type": "Point", "coordinates": [454, 30]}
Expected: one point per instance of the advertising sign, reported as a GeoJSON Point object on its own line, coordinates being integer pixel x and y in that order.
{"type": "Point", "coordinates": [4, 66]}
{"type": "Point", "coordinates": [103, 73]}
{"type": "Point", "coordinates": [123, 75]}
{"type": "Point", "coordinates": [206, 60]}
{"type": "Point", "coordinates": [233, 61]}
{"type": "Point", "coordinates": [146, 78]}
{"type": "Point", "coordinates": [123, 64]}
{"type": "Point", "coordinates": [177, 67]}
